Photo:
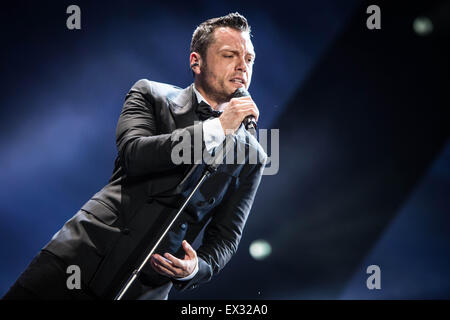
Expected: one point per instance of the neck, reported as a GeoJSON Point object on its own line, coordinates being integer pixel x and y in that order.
{"type": "Point", "coordinates": [209, 99]}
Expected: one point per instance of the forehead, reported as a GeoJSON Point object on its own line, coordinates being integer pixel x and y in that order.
{"type": "Point", "coordinates": [229, 38]}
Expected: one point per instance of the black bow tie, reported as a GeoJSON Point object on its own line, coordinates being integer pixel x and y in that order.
{"type": "Point", "coordinates": [205, 112]}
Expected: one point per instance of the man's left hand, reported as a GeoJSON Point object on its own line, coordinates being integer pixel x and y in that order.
{"type": "Point", "coordinates": [172, 266]}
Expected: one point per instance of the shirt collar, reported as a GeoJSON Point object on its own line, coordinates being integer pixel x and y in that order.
{"type": "Point", "coordinates": [199, 96]}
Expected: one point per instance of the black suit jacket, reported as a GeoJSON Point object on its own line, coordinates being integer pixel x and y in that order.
{"type": "Point", "coordinates": [111, 234]}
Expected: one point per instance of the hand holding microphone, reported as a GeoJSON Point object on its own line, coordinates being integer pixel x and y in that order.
{"type": "Point", "coordinates": [241, 108]}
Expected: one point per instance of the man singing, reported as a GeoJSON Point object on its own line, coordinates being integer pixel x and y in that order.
{"type": "Point", "coordinates": [112, 233]}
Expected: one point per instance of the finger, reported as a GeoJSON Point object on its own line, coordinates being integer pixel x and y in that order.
{"type": "Point", "coordinates": [248, 98]}
{"type": "Point", "coordinates": [244, 104]}
{"type": "Point", "coordinates": [168, 266]}
{"type": "Point", "coordinates": [159, 268]}
{"type": "Point", "coordinates": [189, 250]}
{"type": "Point", "coordinates": [250, 111]}
{"type": "Point", "coordinates": [175, 261]}
{"type": "Point", "coordinates": [249, 107]}
{"type": "Point", "coordinates": [161, 259]}
{"type": "Point", "coordinates": [162, 270]}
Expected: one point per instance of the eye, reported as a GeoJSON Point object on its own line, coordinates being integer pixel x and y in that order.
{"type": "Point", "coordinates": [228, 56]}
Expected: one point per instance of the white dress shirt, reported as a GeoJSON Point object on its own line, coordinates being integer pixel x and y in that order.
{"type": "Point", "coordinates": [213, 136]}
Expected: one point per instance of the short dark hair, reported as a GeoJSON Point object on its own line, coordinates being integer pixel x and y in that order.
{"type": "Point", "coordinates": [203, 34]}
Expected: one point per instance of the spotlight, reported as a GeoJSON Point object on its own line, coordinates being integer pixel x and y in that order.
{"type": "Point", "coordinates": [260, 249]}
{"type": "Point", "coordinates": [422, 26]}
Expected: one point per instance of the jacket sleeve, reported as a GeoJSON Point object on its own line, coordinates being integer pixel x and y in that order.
{"type": "Point", "coordinates": [224, 231]}
{"type": "Point", "coordinates": [142, 149]}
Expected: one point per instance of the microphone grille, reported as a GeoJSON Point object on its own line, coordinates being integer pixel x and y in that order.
{"type": "Point", "coordinates": [240, 92]}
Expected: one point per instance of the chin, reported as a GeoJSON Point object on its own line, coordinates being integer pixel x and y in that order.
{"type": "Point", "coordinates": [232, 89]}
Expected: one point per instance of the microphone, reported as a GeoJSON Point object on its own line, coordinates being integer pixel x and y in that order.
{"type": "Point", "coordinates": [249, 121]}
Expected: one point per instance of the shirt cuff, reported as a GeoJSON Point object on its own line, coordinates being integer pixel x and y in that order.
{"type": "Point", "coordinates": [213, 134]}
{"type": "Point", "coordinates": [189, 277]}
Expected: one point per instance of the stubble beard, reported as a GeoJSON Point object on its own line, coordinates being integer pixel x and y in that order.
{"type": "Point", "coordinates": [220, 96]}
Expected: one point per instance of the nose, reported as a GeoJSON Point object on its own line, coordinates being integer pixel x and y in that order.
{"type": "Point", "coordinates": [241, 65]}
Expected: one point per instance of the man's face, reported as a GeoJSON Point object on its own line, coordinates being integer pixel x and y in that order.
{"type": "Point", "coordinates": [229, 64]}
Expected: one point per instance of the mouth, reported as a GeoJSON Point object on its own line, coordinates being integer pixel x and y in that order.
{"type": "Point", "coordinates": [239, 82]}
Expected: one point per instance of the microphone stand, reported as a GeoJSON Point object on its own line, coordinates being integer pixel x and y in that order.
{"type": "Point", "coordinates": [210, 168]}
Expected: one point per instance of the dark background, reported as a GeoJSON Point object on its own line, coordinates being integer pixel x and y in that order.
{"type": "Point", "coordinates": [364, 136]}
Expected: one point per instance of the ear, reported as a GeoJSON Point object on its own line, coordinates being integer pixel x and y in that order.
{"type": "Point", "coordinates": [195, 62]}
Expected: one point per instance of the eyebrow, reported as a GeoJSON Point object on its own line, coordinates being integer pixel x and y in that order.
{"type": "Point", "coordinates": [237, 52]}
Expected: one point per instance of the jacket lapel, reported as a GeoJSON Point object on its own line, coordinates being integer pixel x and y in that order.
{"type": "Point", "coordinates": [182, 107]}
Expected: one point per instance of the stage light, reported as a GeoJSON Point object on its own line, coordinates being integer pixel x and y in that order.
{"type": "Point", "coordinates": [260, 249]}
{"type": "Point", "coordinates": [422, 26]}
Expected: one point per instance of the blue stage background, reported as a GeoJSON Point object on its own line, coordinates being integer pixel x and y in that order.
{"type": "Point", "coordinates": [63, 90]}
